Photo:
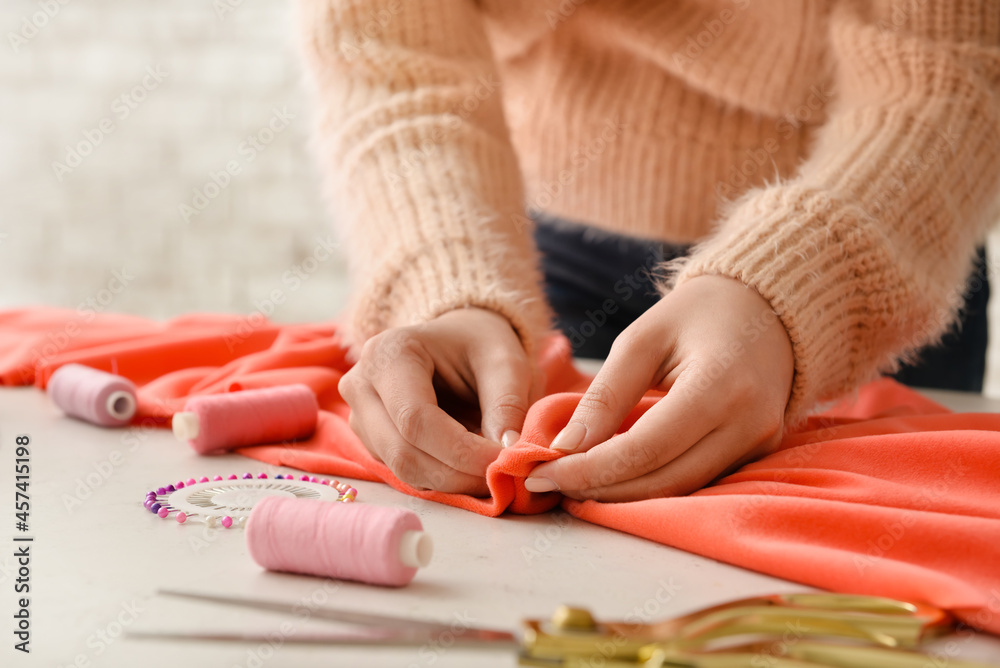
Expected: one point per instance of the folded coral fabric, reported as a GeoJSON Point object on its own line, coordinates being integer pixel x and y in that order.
{"type": "Point", "coordinates": [890, 495]}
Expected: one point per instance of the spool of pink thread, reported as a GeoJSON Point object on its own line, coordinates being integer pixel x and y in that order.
{"type": "Point", "coordinates": [95, 396]}
{"type": "Point", "coordinates": [350, 541]}
{"type": "Point", "coordinates": [220, 422]}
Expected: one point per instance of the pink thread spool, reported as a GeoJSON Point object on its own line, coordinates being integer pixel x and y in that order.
{"type": "Point", "coordinates": [220, 422]}
{"type": "Point", "coordinates": [97, 397]}
{"type": "Point", "coordinates": [373, 544]}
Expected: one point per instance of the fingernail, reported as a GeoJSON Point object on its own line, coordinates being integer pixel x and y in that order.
{"type": "Point", "coordinates": [570, 437]}
{"type": "Point", "coordinates": [509, 438]}
{"type": "Point", "coordinates": [540, 485]}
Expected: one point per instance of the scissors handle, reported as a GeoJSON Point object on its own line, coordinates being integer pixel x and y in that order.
{"type": "Point", "coordinates": [803, 653]}
{"type": "Point", "coordinates": [868, 621]}
{"type": "Point", "coordinates": [879, 620]}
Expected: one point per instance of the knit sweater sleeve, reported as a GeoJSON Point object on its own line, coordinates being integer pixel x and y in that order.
{"type": "Point", "coordinates": [865, 253]}
{"type": "Point", "coordinates": [419, 169]}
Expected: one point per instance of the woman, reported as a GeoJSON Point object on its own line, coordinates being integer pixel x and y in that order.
{"type": "Point", "coordinates": [809, 181]}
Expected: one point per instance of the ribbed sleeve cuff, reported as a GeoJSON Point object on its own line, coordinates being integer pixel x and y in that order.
{"type": "Point", "coordinates": [422, 283]}
{"type": "Point", "coordinates": [829, 278]}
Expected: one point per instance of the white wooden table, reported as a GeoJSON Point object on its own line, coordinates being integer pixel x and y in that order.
{"type": "Point", "coordinates": [98, 557]}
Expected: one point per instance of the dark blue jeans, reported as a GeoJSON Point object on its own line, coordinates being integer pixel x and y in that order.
{"type": "Point", "coordinates": [598, 283]}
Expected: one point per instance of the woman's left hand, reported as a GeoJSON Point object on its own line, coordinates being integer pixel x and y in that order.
{"type": "Point", "coordinates": [726, 363]}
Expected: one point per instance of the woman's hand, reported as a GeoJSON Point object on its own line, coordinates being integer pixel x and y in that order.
{"type": "Point", "coordinates": [418, 395]}
{"type": "Point", "coordinates": [727, 362]}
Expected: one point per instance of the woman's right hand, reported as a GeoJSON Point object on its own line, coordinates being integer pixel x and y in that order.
{"type": "Point", "coordinates": [419, 394]}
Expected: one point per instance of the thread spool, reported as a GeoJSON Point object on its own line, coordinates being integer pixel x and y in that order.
{"type": "Point", "coordinates": [97, 397]}
{"type": "Point", "coordinates": [373, 544]}
{"type": "Point", "coordinates": [220, 422]}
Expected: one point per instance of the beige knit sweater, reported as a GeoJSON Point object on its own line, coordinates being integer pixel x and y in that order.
{"type": "Point", "coordinates": [842, 158]}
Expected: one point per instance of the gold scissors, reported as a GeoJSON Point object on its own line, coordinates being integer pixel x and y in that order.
{"type": "Point", "coordinates": [780, 631]}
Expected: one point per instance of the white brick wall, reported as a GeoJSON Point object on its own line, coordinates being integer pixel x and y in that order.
{"type": "Point", "coordinates": [119, 207]}
{"type": "Point", "coordinates": [992, 386]}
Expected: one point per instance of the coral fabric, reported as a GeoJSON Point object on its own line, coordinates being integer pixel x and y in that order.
{"type": "Point", "coordinates": [889, 495]}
